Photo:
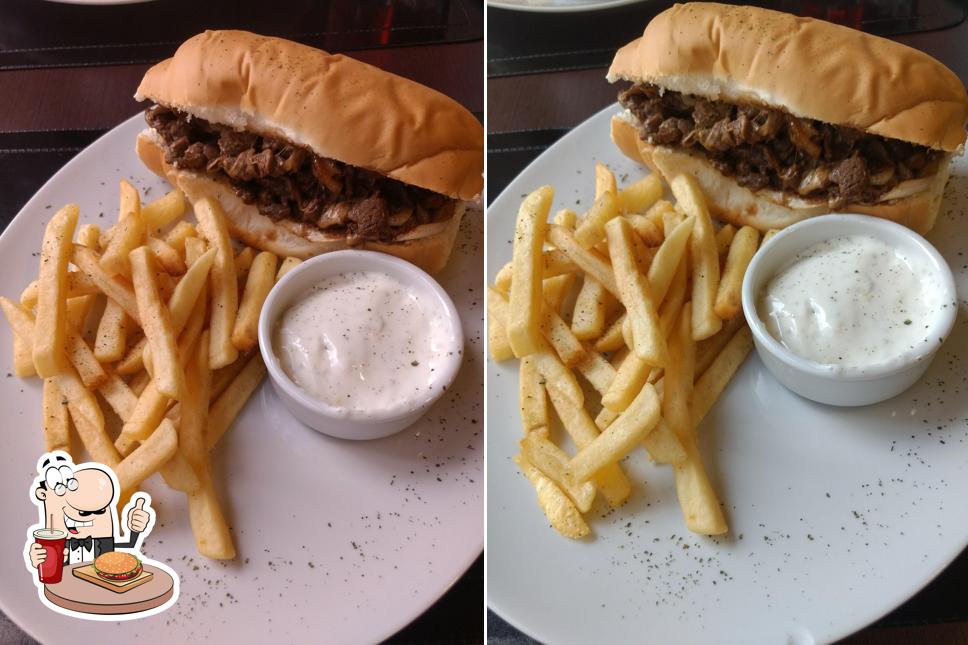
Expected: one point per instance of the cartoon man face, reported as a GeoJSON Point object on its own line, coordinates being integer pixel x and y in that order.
{"type": "Point", "coordinates": [77, 501]}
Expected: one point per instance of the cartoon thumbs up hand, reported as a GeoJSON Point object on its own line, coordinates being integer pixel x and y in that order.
{"type": "Point", "coordinates": [139, 517]}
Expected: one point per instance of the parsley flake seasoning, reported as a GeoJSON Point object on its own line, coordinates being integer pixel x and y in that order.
{"type": "Point", "coordinates": [365, 343]}
{"type": "Point", "coordinates": [852, 301]}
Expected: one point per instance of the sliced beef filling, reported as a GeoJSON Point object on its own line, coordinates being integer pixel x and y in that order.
{"type": "Point", "coordinates": [286, 181]}
{"type": "Point", "coordinates": [765, 148]}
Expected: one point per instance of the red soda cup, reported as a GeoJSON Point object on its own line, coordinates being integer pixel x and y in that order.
{"type": "Point", "coordinates": [53, 541]}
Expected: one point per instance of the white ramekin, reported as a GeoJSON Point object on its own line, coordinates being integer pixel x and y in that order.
{"type": "Point", "coordinates": [825, 383]}
{"type": "Point", "coordinates": [315, 413]}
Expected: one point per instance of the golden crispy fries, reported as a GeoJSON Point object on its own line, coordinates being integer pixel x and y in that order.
{"type": "Point", "coordinates": [168, 375]}
{"type": "Point", "coordinates": [23, 359]}
{"type": "Point", "coordinates": [287, 265]}
{"type": "Point", "coordinates": [556, 289]}
{"type": "Point", "coordinates": [605, 418]}
{"type": "Point", "coordinates": [709, 349]}
{"type": "Point", "coordinates": [213, 539]}
{"type": "Point", "coordinates": [167, 256]}
{"type": "Point", "coordinates": [604, 180]}
{"type": "Point", "coordinates": [525, 311]}
{"type": "Point", "coordinates": [262, 275]}
{"type": "Point", "coordinates": [611, 480]}
{"type": "Point", "coordinates": [114, 287]}
{"type": "Point", "coordinates": [679, 376]}
{"type": "Point", "coordinates": [78, 284]}
{"type": "Point", "coordinates": [222, 413]}
{"type": "Point", "coordinates": [20, 320]}
{"type": "Point", "coordinates": [588, 317]}
{"type": "Point", "coordinates": [666, 260]}
{"type": "Point", "coordinates": [705, 259]}
{"type": "Point", "coordinates": [497, 334]}
{"type": "Point", "coordinates": [147, 458]}
{"type": "Point", "coordinates": [700, 506]}
{"type": "Point", "coordinates": [638, 197]}
{"type": "Point", "coordinates": [178, 474]}
{"type": "Point", "coordinates": [741, 252]}
{"type": "Point", "coordinates": [552, 461]}
{"type": "Point", "coordinates": [87, 417]}
{"type": "Point", "coordinates": [54, 417]}
{"type": "Point", "coordinates": [628, 430]}
{"type": "Point", "coordinates": [715, 379]}
{"type": "Point", "coordinates": [724, 238]}
{"type": "Point", "coordinates": [613, 338]}
{"type": "Point", "coordinates": [566, 217]}
{"type": "Point", "coordinates": [557, 377]}
{"type": "Point", "coordinates": [194, 410]}
{"type": "Point", "coordinates": [556, 505]}
{"type": "Point", "coordinates": [591, 230]}
{"type": "Point", "coordinates": [119, 396]}
{"type": "Point", "coordinates": [55, 253]}
{"type": "Point", "coordinates": [133, 360]}
{"type": "Point", "coordinates": [224, 291]}
{"type": "Point", "coordinates": [554, 263]}
{"type": "Point", "coordinates": [243, 260]}
{"type": "Point", "coordinates": [596, 370]}
{"type": "Point", "coordinates": [646, 229]}
{"type": "Point", "coordinates": [664, 446]}
{"type": "Point", "coordinates": [591, 262]}
{"type": "Point", "coordinates": [656, 215]}
{"type": "Point", "coordinates": [82, 358]}
{"type": "Point", "coordinates": [139, 382]}
{"type": "Point", "coordinates": [127, 234]}
{"type": "Point", "coordinates": [631, 376]}
{"type": "Point", "coordinates": [558, 333]}
{"type": "Point", "coordinates": [176, 237]}
{"type": "Point", "coordinates": [223, 377]}
{"type": "Point", "coordinates": [164, 210]}
{"type": "Point", "coordinates": [669, 312]}
{"type": "Point", "coordinates": [649, 344]}
{"type": "Point", "coordinates": [112, 333]}
{"type": "Point", "coordinates": [195, 247]}
{"type": "Point", "coordinates": [532, 398]}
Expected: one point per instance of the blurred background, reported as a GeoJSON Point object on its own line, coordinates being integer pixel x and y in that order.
{"type": "Point", "coordinates": [68, 72]}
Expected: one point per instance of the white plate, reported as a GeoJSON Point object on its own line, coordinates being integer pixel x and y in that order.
{"type": "Point", "coordinates": [837, 516]}
{"type": "Point", "coordinates": [559, 6]}
{"type": "Point", "coordinates": [345, 540]}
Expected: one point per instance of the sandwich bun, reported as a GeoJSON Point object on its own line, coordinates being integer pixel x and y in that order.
{"type": "Point", "coordinates": [916, 204]}
{"type": "Point", "coordinates": [117, 566]}
{"type": "Point", "coordinates": [427, 246]}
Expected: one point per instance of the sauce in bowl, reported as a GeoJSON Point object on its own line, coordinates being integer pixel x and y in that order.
{"type": "Point", "coordinates": [365, 343]}
{"type": "Point", "coordinates": [852, 302]}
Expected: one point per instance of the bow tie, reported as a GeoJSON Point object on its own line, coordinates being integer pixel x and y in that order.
{"type": "Point", "coordinates": [77, 543]}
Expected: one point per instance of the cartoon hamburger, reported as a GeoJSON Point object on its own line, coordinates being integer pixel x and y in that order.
{"type": "Point", "coordinates": [116, 566]}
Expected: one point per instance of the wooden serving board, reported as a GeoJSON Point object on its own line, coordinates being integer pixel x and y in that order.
{"type": "Point", "coordinates": [118, 586]}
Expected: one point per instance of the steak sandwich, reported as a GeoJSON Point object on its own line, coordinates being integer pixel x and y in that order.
{"type": "Point", "coordinates": [309, 152]}
{"type": "Point", "coordinates": [780, 118]}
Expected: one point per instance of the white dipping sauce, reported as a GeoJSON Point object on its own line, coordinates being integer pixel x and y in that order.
{"type": "Point", "coordinates": [852, 302]}
{"type": "Point", "coordinates": [365, 343]}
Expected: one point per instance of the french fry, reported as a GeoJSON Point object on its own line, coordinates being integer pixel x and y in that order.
{"type": "Point", "coordinates": [497, 315]}
{"type": "Point", "coordinates": [646, 229]}
{"type": "Point", "coordinates": [612, 339]}
{"type": "Point", "coordinates": [133, 360]}
{"type": "Point", "coordinates": [119, 396]}
{"type": "Point", "coordinates": [88, 235]}
{"type": "Point", "coordinates": [128, 233]}
{"type": "Point", "coordinates": [715, 379]}
{"type": "Point", "coordinates": [554, 263]}
{"type": "Point", "coordinates": [23, 358]}
{"type": "Point", "coordinates": [656, 215]}
{"type": "Point", "coordinates": [213, 539]}
{"type": "Point", "coordinates": [631, 376]}
{"type": "Point", "coordinates": [55, 252]}
{"type": "Point", "coordinates": [147, 458]}
{"type": "Point", "coordinates": [78, 284]}
{"type": "Point", "coordinates": [287, 265]}
{"type": "Point", "coordinates": [611, 480]}
{"type": "Point", "coordinates": [81, 356]}
{"type": "Point", "coordinates": [591, 230]}
{"type": "Point", "coordinates": [223, 377]}
{"type": "Point", "coordinates": [769, 234]}
{"type": "Point", "coordinates": [112, 333]}
{"type": "Point", "coordinates": [638, 197]}
{"type": "Point", "coordinates": [679, 377]}
{"type": "Point", "coordinates": [114, 287]}
{"type": "Point", "coordinates": [223, 411]}
{"type": "Point", "coordinates": [605, 418]}
{"type": "Point", "coordinates": [649, 344]}
{"type": "Point", "coordinates": [556, 505]}
{"type": "Point", "coordinates": [167, 256]}
{"type": "Point", "coordinates": [700, 506]}
{"type": "Point", "coordinates": [21, 321]}
{"type": "Point", "coordinates": [666, 260]}
{"type": "Point", "coordinates": [591, 262]}
{"type": "Point", "coordinates": [558, 333]}
{"type": "Point", "coordinates": [552, 461]}
{"type": "Point", "coordinates": [604, 180]}
{"type": "Point", "coordinates": [194, 409]}
{"type": "Point", "coordinates": [705, 259]}
{"type": "Point", "coordinates": [532, 398]}
{"type": "Point", "coordinates": [664, 446]}
{"type": "Point", "coordinates": [741, 252]}
{"type": "Point", "coordinates": [195, 247]}
{"type": "Point", "coordinates": [178, 474]}
{"type": "Point", "coordinates": [176, 237]}
{"type": "Point", "coordinates": [724, 238]}
{"type": "Point", "coordinates": [675, 296]}
{"type": "Point", "coordinates": [557, 377]}
{"type": "Point", "coordinates": [261, 278]}
{"type": "Point", "coordinates": [628, 430]}
{"type": "Point", "coordinates": [566, 217]}
{"type": "Point", "coordinates": [709, 349]}
{"type": "Point", "coordinates": [596, 370]}
{"type": "Point", "coordinates": [87, 417]}
{"type": "Point", "coordinates": [525, 298]}
{"type": "Point", "coordinates": [671, 218]}
{"type": "Point", "coordinates": [139, 382]}
{"type": "Point", "coordinates": [55, 423]}
{"type": "Point", "coordinates": [588, 316]}
{"type": "Point", "coordinates": [163, 211]}
{"type": "Point", "coordinates": [556, 289]}
{"type": "Point", "coordinates": [168, 375]}
{"type": "Point", "coordinates": [224, 288]}
{"type": "Point", "coordinates": [243, 260]}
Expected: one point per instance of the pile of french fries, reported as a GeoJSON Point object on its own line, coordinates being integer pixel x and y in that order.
{"type": "Point", "coordinates": [641, 298]}
{"type": "Point", "coordinates": [173, 354]}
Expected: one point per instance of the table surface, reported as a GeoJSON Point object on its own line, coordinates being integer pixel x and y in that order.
{"type": "Point", "coordinates": [527, 112]}
{"type": "Point", "coordinates": [48, 113]}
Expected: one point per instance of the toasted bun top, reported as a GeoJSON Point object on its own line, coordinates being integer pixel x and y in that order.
{"type": "Point", "coordinates": [812, 68]}
{"type": "Point", "coordinates": [337, 106]}
{"type": "Point", "coordinates": [115, 562]}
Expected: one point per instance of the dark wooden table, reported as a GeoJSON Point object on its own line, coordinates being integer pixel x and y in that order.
{"type": "Point", "coordinates": [56, 96]}
{"type": "Point", "coordinates": [546, 74]}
